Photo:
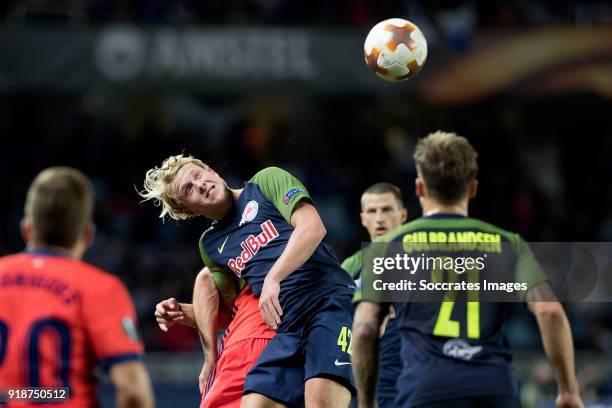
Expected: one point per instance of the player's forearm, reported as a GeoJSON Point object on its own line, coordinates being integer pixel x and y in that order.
{"type": "Point", "coordinates": [365, 362]}
{"type": "Point", "coordinates": [365, 349]}
{"type": "Point", "coordinates": [132, 385]}
{"type": "Point", "coordinates": [188, 316]}
{"type": "Point", "coordinates": [558, 343]}
{"type": "Point", "coordinates": [131, 399]}
{"type": "Point", "coordinates": [301, 245]}
{"type": "Point", "coordinates": [206, 309]}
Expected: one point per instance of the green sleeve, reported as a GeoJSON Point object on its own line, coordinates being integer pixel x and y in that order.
{"type": "Point", "coordinates": [281, 188]}
{"type": "Point", "coordinates": [352, 264]}
{"type": "Point", "coordinates": [364, 285]}
{"type": "Point", "coordinates": [225, 282]}
{"type": "Point", "coordinates": [528, 269]}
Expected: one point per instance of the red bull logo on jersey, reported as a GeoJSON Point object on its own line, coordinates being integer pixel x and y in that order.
{"type": "Point", "coordinates": [252, 245]}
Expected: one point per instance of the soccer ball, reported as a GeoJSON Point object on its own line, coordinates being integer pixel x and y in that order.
{"type": "Point", "coordinates": [395, 49]}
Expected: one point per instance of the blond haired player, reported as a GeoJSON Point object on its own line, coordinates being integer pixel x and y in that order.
{"type": "Point", "coordinates": [269, 234]}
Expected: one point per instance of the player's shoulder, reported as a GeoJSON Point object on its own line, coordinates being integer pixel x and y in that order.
{"type": "Point", "coordinates": [461, 223]}
{"type": "Point", "coordinates": [491, 228]}
{"type": "Point", "coordinates": [354, 256]}
{"type": "Point", "coordinates": [352, 261]}
{"type": "Point", "coordinates": [80, 273]}
{"type": "Point", "coordinates": [14, 262]}
{"type": "Point", "coordinates": [39, 261]}
{"type": "Point", "coordinates": [88, 276]}
{"type": "Point", "coordinates": [268, 173]}
{"type": "Point", "coordinates": [95, 277]}
{"type": "Point", "coordinates": [281, 188]}
{"type": "Point", "coordinates": [7, 261]}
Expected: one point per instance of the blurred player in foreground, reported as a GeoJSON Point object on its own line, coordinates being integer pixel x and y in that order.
{"type": "Point", "coordinates": [224, 371]}
{"type": "Point", "coordinates": [60, 317]}
{"type": "Point", "coordinates": [455, 353]}
{"type": "Point", "coordinates": [269, 233]}
{"type": "Point", "coordinates": [382, 210]}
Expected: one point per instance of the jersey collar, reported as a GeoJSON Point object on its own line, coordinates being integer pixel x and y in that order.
{"type": "Point", "coordinates": [445, 216]}
{"type": "Point", "coordinates": [46, 251]}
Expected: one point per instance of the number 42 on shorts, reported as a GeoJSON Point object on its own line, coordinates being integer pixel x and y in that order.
{"type": "Point", "coordinates": [344, 340]}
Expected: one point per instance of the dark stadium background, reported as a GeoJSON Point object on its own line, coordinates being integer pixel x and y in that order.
{"type": "Point", "coordinates": [528, 82]}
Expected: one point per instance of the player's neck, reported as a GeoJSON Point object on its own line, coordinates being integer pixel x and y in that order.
{"type": "Point", "coordinates": [236, 193]}
{"type": "Point", "coordinates": [431, 207]}
{"type": "Point", "coordinates": [232, 196]}
{"type": "Point", "coordinates": [74, 252]}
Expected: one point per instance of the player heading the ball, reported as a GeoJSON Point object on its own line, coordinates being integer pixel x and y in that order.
{"type": "Point", "coordinates": [270, 234]}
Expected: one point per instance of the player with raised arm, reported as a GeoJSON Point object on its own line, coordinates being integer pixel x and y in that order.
{"type": "Point", "coordinates": [225, 368]}
{"type": "Point", "coordinates": [382, 210]}
{"type": "Point", "coordinates": [61, 317]}
{"type": "Point", "coordinates": [454, 351]}
{"type": "Point", "coordinates": [269, 234]}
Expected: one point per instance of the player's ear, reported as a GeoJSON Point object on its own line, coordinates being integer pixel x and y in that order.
{"type": "Point", "coordinates": [419, 187]}
{"type": "Point", "coordinates": [89, 233]}
{"type": "Point", "coordinates": [473, 189]}
{"type": "Point", "coordinates": [26, 229]}
{"type": "Point", "coordinates": [363, 219]}
{"type": "Point", "coordinates": [403, 215]}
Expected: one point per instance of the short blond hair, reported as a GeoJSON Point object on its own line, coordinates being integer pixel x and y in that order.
{"type": "Point", "coordinates": [59, 204]}
{"type": "Point", "coordinates": [157, 186]}
{"type": "Point", "coordinates": [448, 164]}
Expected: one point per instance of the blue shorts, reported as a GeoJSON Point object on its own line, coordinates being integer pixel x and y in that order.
{"type": "Point", "coordinates": [494, 401]}
{"type": "Point", "coordinates": [383, 402]}
{"type": "Point", "coordinates": [386, 403]}
{"type": "Point", "coordinates": [320, 347]}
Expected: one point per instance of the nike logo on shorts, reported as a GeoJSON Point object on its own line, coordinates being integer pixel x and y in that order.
{"type": "Point", "coordinates": [340, 363]}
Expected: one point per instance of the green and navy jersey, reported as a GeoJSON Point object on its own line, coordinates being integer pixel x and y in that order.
{"type": "Point", "coordinates": [456, 348]}
{"type": "Point", "coordinates": [390, 364]}
{"type": "Point", "coordinates": [251, 237]}
{"type": "Point", "coordinates": [352, 265]}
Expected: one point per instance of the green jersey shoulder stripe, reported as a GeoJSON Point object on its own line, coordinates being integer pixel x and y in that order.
{"type": "Point", "coordinates": [352, 264]}
{"type": "Point", "coordinates": [281, 189]}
